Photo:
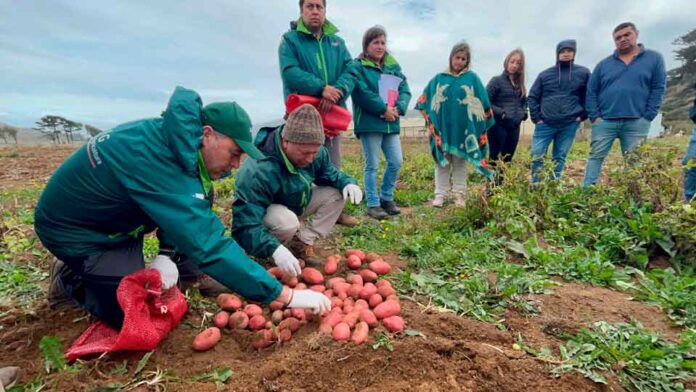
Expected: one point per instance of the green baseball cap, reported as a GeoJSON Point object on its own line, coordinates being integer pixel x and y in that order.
{"type": "Point", "coordinates": [231, 120]}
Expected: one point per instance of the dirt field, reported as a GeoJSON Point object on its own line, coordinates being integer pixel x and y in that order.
{"type": "Point", "coordinates": [455, 354]}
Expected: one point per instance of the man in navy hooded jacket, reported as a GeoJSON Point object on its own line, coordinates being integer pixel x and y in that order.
{"type": "Point", "coordinates": [557, 106]}
{"type": "Point", "coordinates": [624, 95]}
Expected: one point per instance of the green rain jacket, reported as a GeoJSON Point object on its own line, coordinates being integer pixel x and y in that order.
{"type": "Point", "coordinates": [137, 177]}
{"type": "Point", "coordinates": [308, 64]}
{"type": "Point", "coordinates": [274, 180]}
{"type": "Point", "coordinates": [368, 106]}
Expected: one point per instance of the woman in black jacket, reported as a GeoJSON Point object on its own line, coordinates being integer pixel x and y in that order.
{"type": "Point", "coordinates": [508, 97]}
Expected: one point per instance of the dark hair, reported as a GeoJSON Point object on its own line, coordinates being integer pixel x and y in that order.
{"type": "Point", "coordinates": [302, 3]}
{"type": "Point", "coordinates": [623, 26]}
{"type": "Point", "coordinates": [371, 34]}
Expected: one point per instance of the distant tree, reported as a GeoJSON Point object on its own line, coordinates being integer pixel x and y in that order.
{"type": "Point", "coordinates": [686, 54]}
{"type": "Point", "coordinates": [51, 126]}
{"type": "Point", "coordinates": [8, 130]}
{"type": "Point", "coordinates": [69, 127]}
{"type": "Point", "coordinates": [92, 130]}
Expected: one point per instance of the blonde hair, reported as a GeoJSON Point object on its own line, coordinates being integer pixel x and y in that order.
{"type": "Point", "coordinates": [519, 75]}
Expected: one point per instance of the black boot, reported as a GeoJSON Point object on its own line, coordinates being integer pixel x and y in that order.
{"type": "Point", "coordinates": [377, 213]}
{"type": "Point", "coordinates": [389, 207]}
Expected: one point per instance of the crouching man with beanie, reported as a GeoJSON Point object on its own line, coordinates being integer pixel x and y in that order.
{"type": "Point", "coordinates": [293, 196]}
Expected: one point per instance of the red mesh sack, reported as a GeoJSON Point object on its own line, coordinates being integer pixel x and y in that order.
{"type": "Point", "coordinates": [335, 121]}
{"type": "Point", "coordinates": [149, 315]}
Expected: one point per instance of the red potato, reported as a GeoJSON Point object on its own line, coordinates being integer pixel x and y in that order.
{"type": "Point", "coordinates": [268, 325]}
{"type": "Point", "coordinates": [332, 318]}
{"type": "Point", "coordinates": [290, 323]}
{"type": "Point", "coordinates": [367, 316]}
{"type": "Point", "coordinates": [312, 276]}
{"type": "Point", "coordinates": [275, 271]}
{"type": "Point", "coordinates": [393, 324]}
{"type": "Point", "coordinates": [238, 320]}
{"type": "Point", "coordinates": [383, 282]}
{"type": "Point", "coordinates": [341, 287]}
{"type": "Point", "coordinates": [207, 339]}
{"type": "Point", "coordinates": [276, 305]}
{"type": "Point", "coordinates": [375, 300]}
{"type": "Point", "coordinates": [319, 288]}
{"type": "Point", "coordinates": [386, 291]}
{"type": "Point", "coordinates": [257, 322]}
{"type": "Point", "coordinates": [387, 308]}
{"type": "Point", "coordinates": [368, 276]}
{"type": "Point", "coordinates": [392, 297]}
{"type": "Point", "coordinates": [329, 293]}
{"type": "Point", "coordinates": [357, 279]}
{"type": "Point", "coordinates": [343, 295]}
{"type": "Point", "coordinates": [300, 286]}
{"type": "Point", "coordinates": [285, 335]}
{"type": "Point", "coordinates": [253, 310]}
{"type": "Point", "coordinates": [287, 313]}
{"type": "Point", "coordinates": [336, 303]}
{"type": "Point", "coordinates": [380, 267]}
{"type": "Point", "coordinates": [291, 281]}
{"type": "Point", "coordinates": [372, 256]}
{"type": "Point", "coordinates": [352, 318]}
{"type": "Point", "coordinates": [356, 252]}
{"type": "Point", "coordinates": [354, 291]}
{"type": "Point", "coordinates": [360, 333]}
{"type": "Point", "coordinates": [347, 309]}
{"type": "Point", "coordinates": [368, 291]}
{"type": "Point", "coordinates": [229, 302]}
{"type": "Point", "coordinates": [277, 317]}
{"type": "Point", "coordinates": [298, 314]}
{"type": "Point", "coordinates": [331, 266]}
{"type": "Point", "coordinates": [221, 319]}
{"type": "Point", "coordinates": [325, 328]}
{"type": "Point", "coordinates": [330, 283]}
{"type": "Point", "coordinates": [353, 262]}
{"type": "Point", "coordinates": [361, 304]}
{"type": "Point", "coordinates": [341, 332]}
{"type": "Point", "coordinates": [263, 339]}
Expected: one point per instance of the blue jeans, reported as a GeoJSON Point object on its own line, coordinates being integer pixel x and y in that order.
{"type": "Point", "coordinates": [690, 173]}
{"type": "Point", "coordinates": [373, 143]}
{"type": "Point", "coordinates": [562, 139]}
{"type": "Point", "coordinates": [630, 134]}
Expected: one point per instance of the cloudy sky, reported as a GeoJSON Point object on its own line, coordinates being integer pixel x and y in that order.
{"type": "Point", "coordinates": [105, 63]}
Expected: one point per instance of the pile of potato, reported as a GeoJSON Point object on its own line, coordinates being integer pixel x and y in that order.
{"type": "Point", "coordinates": [359, 301]}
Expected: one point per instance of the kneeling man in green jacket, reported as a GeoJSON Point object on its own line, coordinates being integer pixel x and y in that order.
{"type": "Point", "coordinates": [146, 175]}
{"type": "Point", "coordinates": [295, 183]}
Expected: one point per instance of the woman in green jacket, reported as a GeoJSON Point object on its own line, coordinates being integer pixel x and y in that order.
{"type": "Point", "coordinates": [376, 114]}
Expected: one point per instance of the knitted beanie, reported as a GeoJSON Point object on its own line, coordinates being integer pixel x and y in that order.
{"type": "Point", "coordinates": [304, 126]}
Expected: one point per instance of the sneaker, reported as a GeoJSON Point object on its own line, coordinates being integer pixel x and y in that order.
{"type": "Point", "coordinates": [389, 207]}
{"type": "Point", "coordinates": [346, 220]}
{"type": "Point", "coordinates": [58, 299]}
{"type": "Point", "coordinates": [8, 376]}
{"type": "Point", "coordinates": [207, 286]}
{"type": "Point", "coordinates": [305, 252]}
{"type": "Point", "coordinates": [438, 201]}
{"type": "Point", "coordinates": [459, 200]}
{"type": "Point", "coordinates": [377, 213]}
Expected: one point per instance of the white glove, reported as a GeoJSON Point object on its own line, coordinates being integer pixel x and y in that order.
{"type": "Point", "coordinates": [318, 303]}
{"type": "Point", "coordinates": [285, 260]}
{"type": "Point", "coordinates": [353, 192]}
{"type": "Point", "coordinates": [167, 270]}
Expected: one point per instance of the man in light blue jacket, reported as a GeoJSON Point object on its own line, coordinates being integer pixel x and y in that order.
{"type": "Point", "coordinates": [624, 95]}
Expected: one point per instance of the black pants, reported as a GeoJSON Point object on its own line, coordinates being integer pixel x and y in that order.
{"type": "Point", "coordinates": [93, 281]}
{"type": "Point", "coordinates": [502, 141]}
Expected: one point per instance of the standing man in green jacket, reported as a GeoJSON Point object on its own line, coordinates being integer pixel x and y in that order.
{"type": "Point", "coordinates": [295, 181]}
{"type": "Point", "coordinates": [314, 61]}
{"type": "Point", "coordinates": [148, 174]}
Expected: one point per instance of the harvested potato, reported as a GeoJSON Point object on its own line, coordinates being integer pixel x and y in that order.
{"type": "Point", "coordinates": [207, 339]}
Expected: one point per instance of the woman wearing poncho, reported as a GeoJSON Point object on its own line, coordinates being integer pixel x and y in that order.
{"type": "Point", "coordinates": [457, 114]}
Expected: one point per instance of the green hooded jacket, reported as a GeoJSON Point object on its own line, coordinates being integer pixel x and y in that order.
{"type": "Point", "coordinates": [275, 180]}
{"type": "Point", "coordinates": [368, 106]}
{"type": "Point", "coordinates": [138, 176]}
{"type": "Point", "coordinates": [308, 64]}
